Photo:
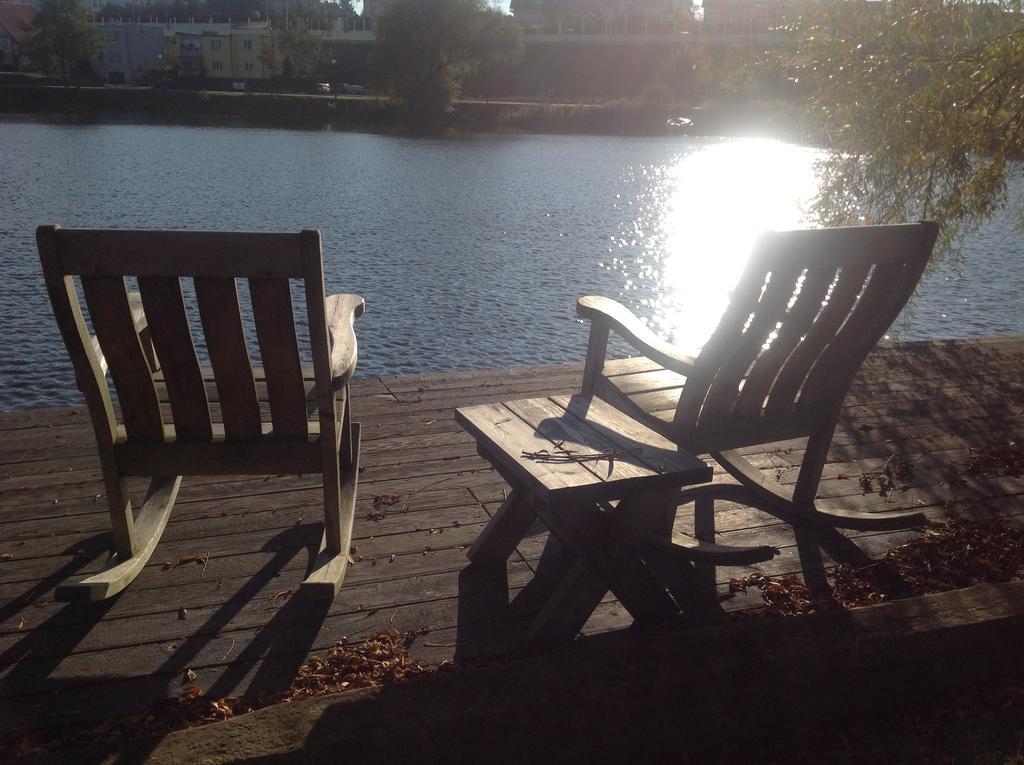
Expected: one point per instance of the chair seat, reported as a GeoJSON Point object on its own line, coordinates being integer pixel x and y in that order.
{"type": "Point", "coordinates": [643, 389]}
{"type": "Point", "coordinates": [262, 395]}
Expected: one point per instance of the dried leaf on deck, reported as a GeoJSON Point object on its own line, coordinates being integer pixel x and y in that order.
{"type": "Point", "coordinates": [383, 500]}
{"type": "Point", "coordinates": [999, 460]}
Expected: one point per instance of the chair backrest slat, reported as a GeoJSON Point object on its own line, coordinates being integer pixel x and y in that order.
{"type": "Point", "coordinates": [275, 330]}
{"type": "Point", "coordinates": [728, 332]}
{"type": "Point", "coordinates": [786, 350]}
{"type": "Point", "coordinates": [229, 357]}
{"type": "Point", "coordinates": [846, 288]}
{"type": "Point", "coordinates": [312, 260]}
{"type": "Point", "coordinates": [808, 303]}
{"type": "Point", "coordinates": [172, 339]}
{"type": "Point", "coordinates": [111, 315]}
{"type": "Point", "coordinates": [767, 313]}
{"type": "Point", "coordinates": [889, 287]}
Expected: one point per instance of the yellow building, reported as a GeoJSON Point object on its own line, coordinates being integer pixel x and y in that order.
{"type": "Point", "coordinates": [216, 53]}
{"type": "Point", "coordinates": [235, 55]}
{"type": "Point", "coordinates": [247, 53]}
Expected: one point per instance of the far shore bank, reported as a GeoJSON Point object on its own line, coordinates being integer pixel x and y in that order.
{"type": "Point", "coordinates": [297, 111]}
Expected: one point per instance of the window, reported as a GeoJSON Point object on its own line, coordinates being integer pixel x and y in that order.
{"type": "Point", "coordinates": [218, 64]}
{"type": "Point", "coordinates": [247, 44]}
{"type": "Point", "coordinates": [214, 44]}
{"type": "Point", "coordinates": [112, 35]}
{"type": "Point", "coordinates": [115, 57]}
{"type": "Point", "coordinates": [248, 66]}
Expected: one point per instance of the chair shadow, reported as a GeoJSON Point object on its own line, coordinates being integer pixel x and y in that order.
{"type": "Point", "coordinates": [267, 663]}
{"type": "Point", "coordinates": [278, 649]}
{"type": "Point", "coordinates": [83, 552]}
{"type": "Point", "coordinates": [46, 645]}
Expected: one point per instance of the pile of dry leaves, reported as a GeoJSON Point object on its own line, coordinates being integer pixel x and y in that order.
{"type": "Point", "coordinates": [999, 460]}
{"type": "Point", "coordinates": [958, 553]}
{"type": "Point", "coordinates": [382, 660]}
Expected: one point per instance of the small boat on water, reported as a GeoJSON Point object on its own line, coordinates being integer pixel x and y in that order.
{"type": "Point", "coordinates": [678, 124]}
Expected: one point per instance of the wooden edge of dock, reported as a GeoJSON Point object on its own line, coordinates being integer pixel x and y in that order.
{"type": "Point", "coordinates": [633, 694]}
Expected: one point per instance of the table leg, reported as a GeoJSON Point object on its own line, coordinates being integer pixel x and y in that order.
{"type": "Point", "coordinates": [704, 531]}
{"type": "Point", "coordinates": [505, 530]}
{"type": "Point", "coordinates": [596, 538]}
{"type": "Point", "coordinates": [569, 606]}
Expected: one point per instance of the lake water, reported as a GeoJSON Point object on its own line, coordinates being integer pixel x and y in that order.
{"type": "Point", "coordinates": [470, 252]}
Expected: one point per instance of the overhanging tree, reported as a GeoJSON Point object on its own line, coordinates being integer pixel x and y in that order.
{"type": "Point", "coordinates": [921, 105]}
{"type": "Point", "coordinates": [63, 40]}
{"type": "Point", "coordinates": [299, 49]}
{"type": "Point", "coordinates": [426, 48]}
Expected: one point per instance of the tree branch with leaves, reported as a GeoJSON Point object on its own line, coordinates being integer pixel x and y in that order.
{"type": "Point", "coordinates": [920, 105]}
{"type": "Point", "coordinates": [63, 39]}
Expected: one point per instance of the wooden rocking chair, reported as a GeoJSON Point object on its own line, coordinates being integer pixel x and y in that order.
{"type": "Point", "coordinates": [807, 310]}
{"type": "Point", "coordinates": [216, 422]}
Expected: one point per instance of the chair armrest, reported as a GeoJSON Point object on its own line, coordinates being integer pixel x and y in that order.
{"type": "Point", "coordinates": [141, 327]}
{"type": "Point", "coordinates": [342, 311]}
{"type": "Point", "coordinates": [624, 322]}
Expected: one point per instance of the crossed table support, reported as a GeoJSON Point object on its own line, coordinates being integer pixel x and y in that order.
{"type": "Point", "coordinates": [602, 484]}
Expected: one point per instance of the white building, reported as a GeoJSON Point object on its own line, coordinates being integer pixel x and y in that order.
{"type": "Point", "coordinates": [131, 52]}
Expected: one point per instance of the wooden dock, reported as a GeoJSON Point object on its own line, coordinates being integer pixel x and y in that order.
{"type": "Point", "coordinates": [216, 606]}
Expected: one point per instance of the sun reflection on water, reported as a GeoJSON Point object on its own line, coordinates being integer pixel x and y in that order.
{"type": "Point", "coordinates": [695, 224]}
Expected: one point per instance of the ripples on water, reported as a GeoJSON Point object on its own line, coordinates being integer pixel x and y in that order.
{"type": "Point", "coordinates": [470, 253]}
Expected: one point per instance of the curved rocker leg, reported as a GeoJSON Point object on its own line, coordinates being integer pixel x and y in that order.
{"type": "Point", "coordinates": [689, 550]}
{"type": "Point", "coordinates": [119, 572]}
{"type": "Point", "coordinates": [332, 560]}
{"type": "Point", "coordinates": [778, 498]}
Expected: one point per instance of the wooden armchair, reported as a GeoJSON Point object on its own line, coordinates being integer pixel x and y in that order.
{"type": "Point", "coordinates": [177, 417]}
{"type": "Point", "coordinates": [807, 310]}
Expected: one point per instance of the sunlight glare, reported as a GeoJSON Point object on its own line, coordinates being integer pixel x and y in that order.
{"type": "Point", "coordinates": [717, 200]}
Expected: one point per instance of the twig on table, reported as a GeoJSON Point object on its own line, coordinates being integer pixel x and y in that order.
{"type": "Point", "coordinates": [567, 455]}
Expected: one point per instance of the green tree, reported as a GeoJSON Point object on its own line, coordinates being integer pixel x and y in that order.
{"type": "Point", "coordinates": [921, 105]}
{"type": "Point", "coordinates": [298, 50]}
{"type": "Point", "coordinates": [426, 48]}
{"type": "Point", "coordinates": [63, 40]}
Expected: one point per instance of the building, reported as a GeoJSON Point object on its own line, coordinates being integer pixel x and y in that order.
{"type": "Point", "coordinates": [189, 54]}
{"type": "Point", "coordinates": [248, 53]}
{"type": "Point", "coordinates": [603, 17]}
{"type": "Point", "coordinates": [215, 49]}
{"type": "Point", "coordinates": [743, 17]}
{"type": "Point", "coordinates": [131, 53]}
{"type": "Point", "coordinates": [238, 54]}
{"type": "Point", "coordinates": [15, 30]}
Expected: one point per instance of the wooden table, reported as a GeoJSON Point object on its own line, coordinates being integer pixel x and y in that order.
{"type": "Point", "coordinates": [601, 482]}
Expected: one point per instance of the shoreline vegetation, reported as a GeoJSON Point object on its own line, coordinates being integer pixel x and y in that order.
{"type": "Point", "coordinates": [636, 117]}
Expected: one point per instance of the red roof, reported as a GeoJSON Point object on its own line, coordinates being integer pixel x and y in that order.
{"type": "Point", "coordinates": [16, 18]}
